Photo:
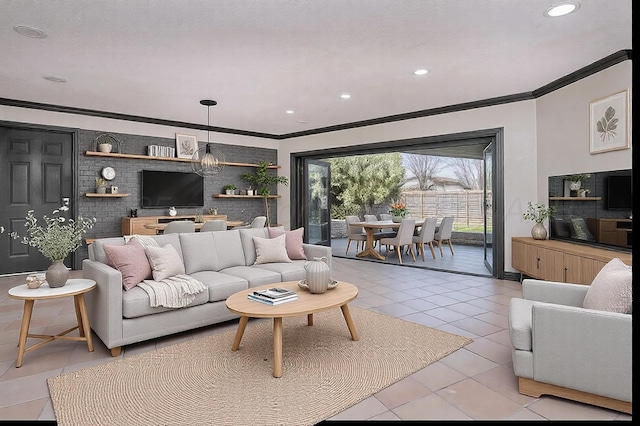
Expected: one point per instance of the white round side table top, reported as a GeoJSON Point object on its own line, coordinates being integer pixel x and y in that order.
{"type": "Point", "coordinates": [72, 287]}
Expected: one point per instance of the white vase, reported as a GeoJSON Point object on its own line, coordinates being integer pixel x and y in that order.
{"type": "Point", "coordinates": [575, 185]}
{"type": "Point", "coordinates": [104, 147]}
{"type": "Point", "coordinates": [318, 275]}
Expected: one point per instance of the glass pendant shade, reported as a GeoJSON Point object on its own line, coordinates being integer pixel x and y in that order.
{"type": "Point", "coordinates": [207, 161]}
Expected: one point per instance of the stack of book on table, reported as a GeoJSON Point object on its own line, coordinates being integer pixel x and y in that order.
{"type": "Point", "coordinates": [273, 296]}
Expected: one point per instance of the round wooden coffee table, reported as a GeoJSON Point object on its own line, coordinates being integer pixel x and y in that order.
{"type": "Point", "coordinates": [306, 304]}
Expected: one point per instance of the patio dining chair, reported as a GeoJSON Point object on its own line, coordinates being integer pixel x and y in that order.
{"type": "Point", "coordinates": [385, 216]}
{"type": "Point", "coordinates": [443, 234]}
{"type": "Point", "coordinates": [354, 233]}
{"type": "Point", "coordinates": [403, 238]}
{"type": "Point", "coordinates": [426, 236]}
{"type": "Point", "coordinates": [379, 233]}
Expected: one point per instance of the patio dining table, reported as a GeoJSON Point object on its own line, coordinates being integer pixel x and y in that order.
{"type": "Point", "coordinates": [370, 228]}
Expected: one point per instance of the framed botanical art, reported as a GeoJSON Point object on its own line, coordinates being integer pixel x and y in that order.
{"type": "Point", "coordinates": [609, 123]}
{"type": "Point", "coordinates": [186, 145]}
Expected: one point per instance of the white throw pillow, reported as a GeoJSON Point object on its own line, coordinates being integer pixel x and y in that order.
{"type": "Point", "coordinates": [611, 289]}
{"type": "Point", "coordinates": [271, 250]}
{"type": "Point", "coordinates": [165, 262]}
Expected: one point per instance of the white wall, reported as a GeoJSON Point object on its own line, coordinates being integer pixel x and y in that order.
{"type": "Point", "coordinates": [542, 137]}
{"type": "Point", "coordinates": [563, 127]}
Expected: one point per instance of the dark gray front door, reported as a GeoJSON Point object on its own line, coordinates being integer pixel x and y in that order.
{"type": "Point", "coordinates": [35, 174]}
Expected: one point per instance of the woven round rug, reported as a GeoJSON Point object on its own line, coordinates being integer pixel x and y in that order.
{"type": "Point", "coordinates": [203, 382]}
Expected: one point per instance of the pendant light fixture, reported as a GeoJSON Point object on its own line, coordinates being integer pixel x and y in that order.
{"type": "Point", "coordinates": [207, 161]}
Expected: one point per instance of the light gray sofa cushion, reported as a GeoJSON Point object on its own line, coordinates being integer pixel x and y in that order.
{"type": "Point", "coordinates": [520, 323]}
{"type": "Point", "coordinates": [199, 252]}
{"type": "Point", "coordinates": [173, 239]}
{"type": "Point", "coordinates": [220, 285]}
{"type": "Point", "coordinates": [293, 271]}
{"type": "Point", "coordinates": [228, 248]}
{"type": "Point", "coordinates": [136, 303]}
{"type": "Point", "coordinates": [254, 275]}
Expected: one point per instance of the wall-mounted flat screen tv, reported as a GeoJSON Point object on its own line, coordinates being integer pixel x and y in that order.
{"type": "Point", "coordinates": [166, 189]}
{"type": "Point", "coordinates": [619, 196]}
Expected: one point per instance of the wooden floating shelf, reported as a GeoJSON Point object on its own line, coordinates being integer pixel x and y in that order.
{"type": "Point", "coordinates": [116, 195]}
{"type": "Point", "coordinates": [574, 198]}
{"type": "Point", "coordinates": [148, 157]}
{"type": "Point", "coordinates": [243, 196]}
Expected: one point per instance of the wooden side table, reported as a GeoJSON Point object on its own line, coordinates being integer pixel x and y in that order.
{"type": "Point", "coordinates": [75, 287]}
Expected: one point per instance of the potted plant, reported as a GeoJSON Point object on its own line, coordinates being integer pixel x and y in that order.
{"type": "Point", "coordinates": [263, 180]}
{"type": "Point", "coordinates": [55, 240]}
{"type": "Point", "coordinates": [398, 211]}
{"type": "Point", "coordinates": [538, 213]}
{"type": "Point", "coordinates": [101, 185]}
{"type": "Point", "coordinates": [104, 146]}
{"type": "Point", "coordinates": [576, 180]}
{"type": "Point", "coordinates": [230, 189]}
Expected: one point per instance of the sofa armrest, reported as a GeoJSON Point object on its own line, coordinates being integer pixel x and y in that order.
{"type": "Point", "coordinates": [554, 292]}
{"type": "Point", "coordinates": [314, 250]}
{"type": "Point", "coordinates": [104, 304]}
{"type": "Point", "coordinates": [583, 349]}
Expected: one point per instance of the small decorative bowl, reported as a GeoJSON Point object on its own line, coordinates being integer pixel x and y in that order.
{"type": "Point", "coordinates": [34, 281]}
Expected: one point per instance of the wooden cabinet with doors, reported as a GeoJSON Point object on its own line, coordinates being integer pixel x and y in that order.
{"type": "Point", "coordinates": [135, 225]}
{"type": "Point", "coordinates": [561, 261]}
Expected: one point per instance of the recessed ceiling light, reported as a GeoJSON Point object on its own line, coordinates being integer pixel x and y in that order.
{"type": "Point", "coordinates": [562, 9]}
{"type": "Point", "coordinates": [289, 111]}
{"type": "Point", "coordinates": [345, 96]}
{"type": "Point", "coordinates": [421, 71]}
{"type": "Point", "coordinates": [28, 31]}
{"type": "Point", "coordinates": [55, 79]}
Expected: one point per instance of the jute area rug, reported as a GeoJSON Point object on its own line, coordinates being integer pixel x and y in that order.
{"type": "Point", "coordinates": [203, 382]}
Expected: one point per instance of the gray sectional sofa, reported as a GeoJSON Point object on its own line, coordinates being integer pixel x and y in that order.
{"type": "Point", "coordinates": [222, 260]}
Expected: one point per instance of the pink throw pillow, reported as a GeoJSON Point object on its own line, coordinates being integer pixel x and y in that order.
{"type": "Point", "coordinates": [293, 242]}
{"type": "Point", "coordinates": [131, 261]}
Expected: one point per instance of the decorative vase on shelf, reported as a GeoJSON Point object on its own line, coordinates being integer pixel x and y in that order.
{"type": "Point", "coordinates": [57, 274]}
{"type": "Point", "coordinates": [172, 211]}
{"type": "Point", "coordinates": [539, 232]}
{"type": "Point", "coordinates": [104, 147]}
{"type": "Point", "coordinates": [396, 219]}
{"type": "Point", "coordinates": [101, 189]}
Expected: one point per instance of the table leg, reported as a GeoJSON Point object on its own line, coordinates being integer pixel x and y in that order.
{"type": "Point", "coordinates": [309, 319]}
{"type": "Point", "coordinates": [277, 347]}
{"type": "Point", "coordinates": [347, 317]}
{"type": "Point", "coordinates": [241, 326]}
{"type": "Point", "coordinates": [24, 330]}
{"type": "Point", "coordinates": [78, 316]}
{"type": "Point", "coordinates": [83, 325]}
{"type": "Point", "coordinates": [369, 250]}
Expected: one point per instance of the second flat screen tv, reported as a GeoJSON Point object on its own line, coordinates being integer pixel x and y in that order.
{"type": "Point", "coordinates": [165, 189]}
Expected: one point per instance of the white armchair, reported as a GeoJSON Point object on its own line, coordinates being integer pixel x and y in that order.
{"type": "Point", "coordinates": [561, 348]}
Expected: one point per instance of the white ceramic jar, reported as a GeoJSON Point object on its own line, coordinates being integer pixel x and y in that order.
{"type": "Point", "coordinates": [318, 275]}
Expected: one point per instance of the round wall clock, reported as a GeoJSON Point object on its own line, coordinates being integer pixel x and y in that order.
{"type": "Point", "coordinates": [108, 173]}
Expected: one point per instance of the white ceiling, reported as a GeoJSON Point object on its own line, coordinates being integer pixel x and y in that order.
{"type": "Point", "coordinates": [159, 58]}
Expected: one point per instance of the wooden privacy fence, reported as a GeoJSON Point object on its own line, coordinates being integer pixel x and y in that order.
{"type": "Point", "coordinates": [465, 206]}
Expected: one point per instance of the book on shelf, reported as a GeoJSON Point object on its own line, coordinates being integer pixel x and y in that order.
{"type": "Point", "coordinates": [269, 301]}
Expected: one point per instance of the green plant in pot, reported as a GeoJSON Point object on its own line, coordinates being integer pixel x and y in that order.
{"type": "Point", "coordinates": [56, 239]}
{"type": "Point", "coordinates": [538, 213]}
{"type": "Point", "coordinates": [263, 179]}
{"type": "Point", "coordinates": [230, 188]}
{"type": "Point", "coordinates": [101, 185]}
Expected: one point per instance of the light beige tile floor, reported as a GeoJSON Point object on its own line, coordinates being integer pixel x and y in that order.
{"type": "Point", "coordinates": [473, 383]}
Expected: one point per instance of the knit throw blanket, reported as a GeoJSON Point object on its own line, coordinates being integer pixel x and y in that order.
{"type": "Point", "coordinates": [173, 292]}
